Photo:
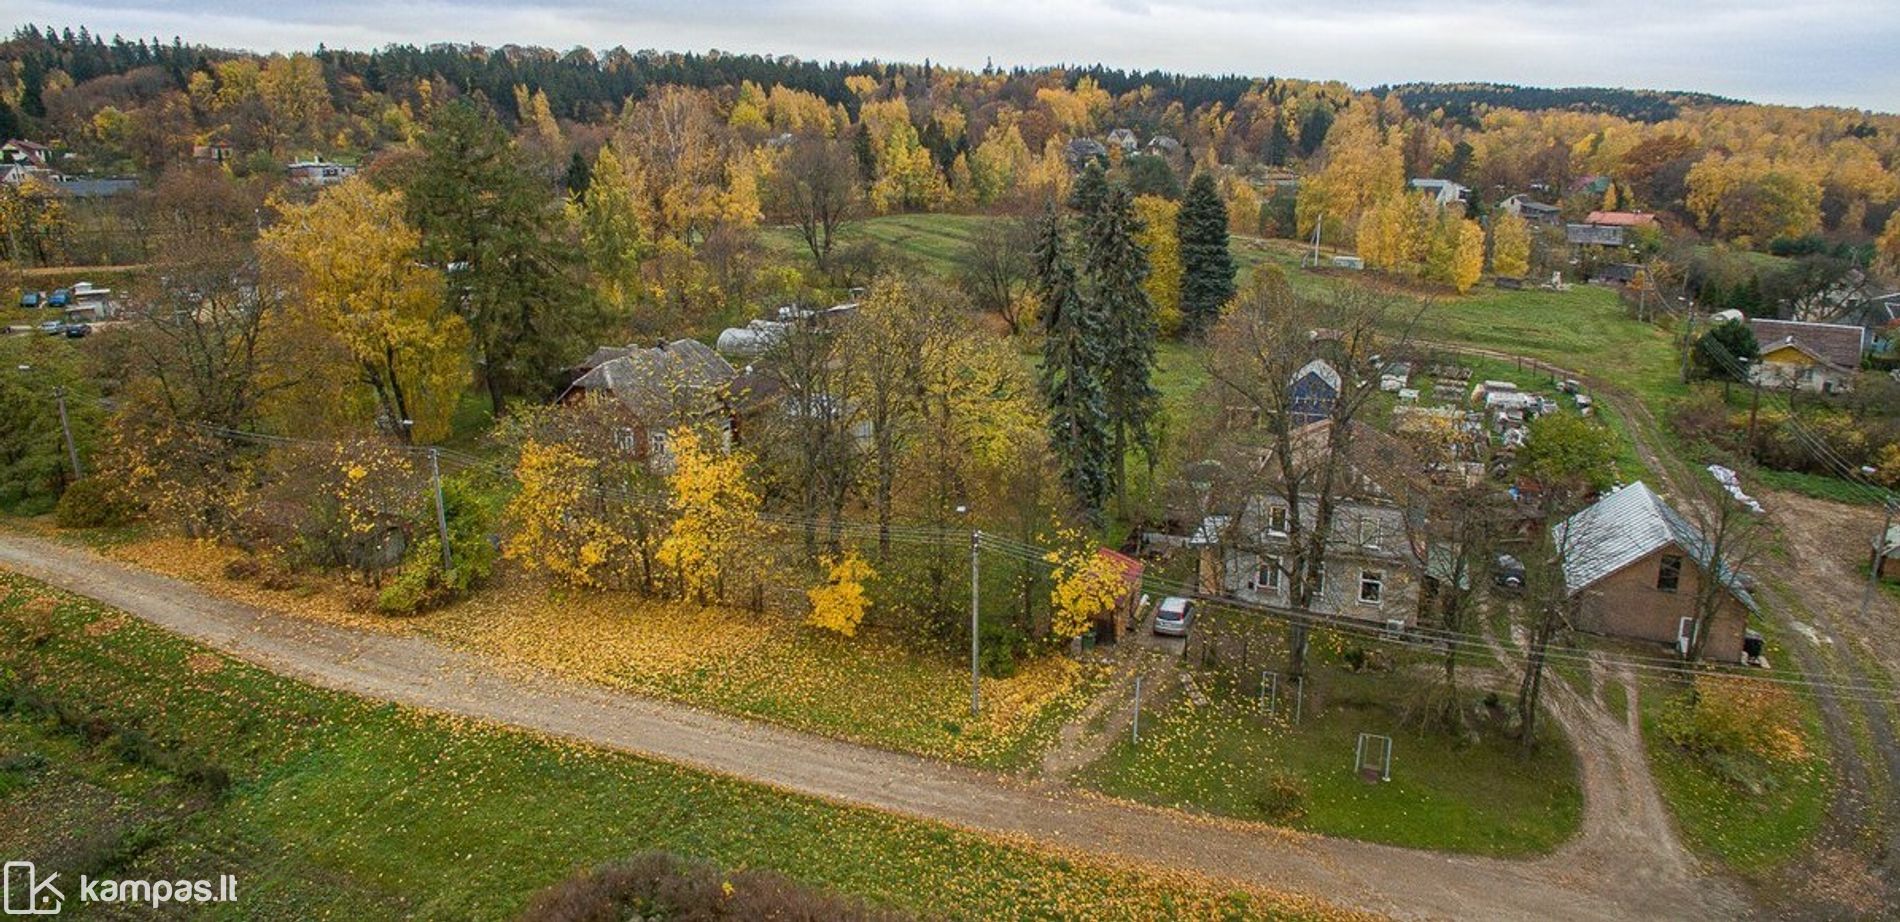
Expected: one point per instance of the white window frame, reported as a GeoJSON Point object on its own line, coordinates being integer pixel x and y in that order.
{"type": "Point", "coordinates": [1270, 567]}
{"type": "Point", "coordinates": [1375, 579]}
{"type": "Point", "coordinates": [1277, 511]}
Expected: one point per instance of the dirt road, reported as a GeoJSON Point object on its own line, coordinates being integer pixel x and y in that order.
{"type": "Point", "coordinates": [1572, 884]}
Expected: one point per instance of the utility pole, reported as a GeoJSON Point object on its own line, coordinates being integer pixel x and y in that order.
{"type": "Point", "coordinates": [976, 688]}
{"type": "Point", "coordinates": [441, 513]}
{"type": "Point", "coordinates": [1688, 344]}
{"type": "Point", "coordinates": [66, 426]}
{"type": "Point", "coordinates": [1881, 550]}
{"type": "Point", "coordinates": [1754, 410]}
{"type": "Point", "coordinates": [1135, 728]}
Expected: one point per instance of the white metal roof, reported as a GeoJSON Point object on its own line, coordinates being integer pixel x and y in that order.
{"type": "Point", "coordinates": [1625, 527]}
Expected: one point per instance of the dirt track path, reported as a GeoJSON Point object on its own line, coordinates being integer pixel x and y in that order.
{"type": "Point", "coordinates": [425, 674]}
{"type": "Point", "coordinates": [1856, 862]}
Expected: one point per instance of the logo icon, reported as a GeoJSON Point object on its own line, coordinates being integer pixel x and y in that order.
{"type": "Point", "coordinates": [25, 894]}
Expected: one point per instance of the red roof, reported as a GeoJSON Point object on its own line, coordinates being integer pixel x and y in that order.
{"type": "Point", "coordinates": [1620, 219]}
{"type": "Point", "coordinates": [1131, 568]}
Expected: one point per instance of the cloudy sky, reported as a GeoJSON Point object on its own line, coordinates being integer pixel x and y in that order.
{"type": "Point", "coordinates": [1836, 52]}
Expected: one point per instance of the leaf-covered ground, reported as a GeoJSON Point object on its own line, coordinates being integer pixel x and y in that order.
{"type": "Point", "coordinates": [343, 809]}
{"type": "Point", "coordinates": [868, 689]}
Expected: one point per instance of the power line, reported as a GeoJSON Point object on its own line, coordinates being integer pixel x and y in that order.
{"type": "Point", "coordinates": [1025, 552]}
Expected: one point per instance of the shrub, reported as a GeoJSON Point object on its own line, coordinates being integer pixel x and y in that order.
{"type": "Point", "coordinates": [1282, 798]}
{"type": "Point", "coordinates": [420, 581]}
{"type": "Point", "coordinates": [654, 885]}
{"type": "Point", "coordinates": [94, 503]}
{"type": "Point", "coordinates": [1737, 726]}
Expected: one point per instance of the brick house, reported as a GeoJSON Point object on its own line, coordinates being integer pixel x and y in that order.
{"type": "Point", "coordinates": [1633, 567]}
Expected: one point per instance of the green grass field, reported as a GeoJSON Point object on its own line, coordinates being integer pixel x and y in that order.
{"type": "Point", "coordinates": [934, 240]}
{"type": "Point", "coordinates": [341, 808]}
{"type": "Point", "coordinates": [1750, 830]}
{"type": "Point", "coordinates": [1223, 757]}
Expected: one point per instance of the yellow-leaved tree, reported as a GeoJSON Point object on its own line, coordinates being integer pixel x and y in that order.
{"type": "Point", "coordinates": [1088, 585]}
{"type": "Point", "coordinates": [714, 507]}
{"type": "Point", "coordinates": [611, 238]}
{"type": "Point", "coordinates": [1159, 238]}
{"type": "Point", "coordinates": [1887, 248]}
{"type": "Point", "coordinates": [1510, 246]}
{"type": "Point", "coordinates": [558, 526]}
{"type": "Point", "coordinates": [1467, 259]}
{"type": "Point", "coordinates": [353, 268]}
{"type": "Point", "coordinates": [840, 602]}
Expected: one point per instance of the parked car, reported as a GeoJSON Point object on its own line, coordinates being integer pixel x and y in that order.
{"type": "Point", "coordinates": [1174, 616]}
{"type": "Point", "coordinates": [31, 299]}
{"type": "Point", "coordinates": [1508, 573]}
{"type": "Point", "coordinates": [51, 327]}
{"type": "Point", "coordinates": [60, 298]}
{"type": "Point", "coordinates": [78, 330]}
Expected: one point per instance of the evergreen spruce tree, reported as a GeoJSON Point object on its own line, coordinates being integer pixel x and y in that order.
{"type": "Point", "coordinates": [579, 175]}
{"type": "Point", "coordinates": [1091, 186]}
{"type": "Point", "coordinates": [494, 228]}
{"type": "Point", "coordinates": [1207, 266]}
{"type": "Point", "coordinates": [1114, 268]}
{"type": "Point", "coordinates": [1071, 371]}
{"type": "Point", "coordinates": [1279, 143]}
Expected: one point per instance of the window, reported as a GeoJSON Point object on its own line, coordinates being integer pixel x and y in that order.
{"type": "Point", "coordinates": [1269, 575]}
{"type": "Point", "coordinates": [1276, 520]}
{"type": "Point", "coordinates": [1371, 586]}
{"type": "Point", "coordinates": [1368, 532]}
{"type": "Point", "coordinates": [1669, 573]}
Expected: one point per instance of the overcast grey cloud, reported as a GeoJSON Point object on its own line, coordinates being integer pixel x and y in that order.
{"type": "Point", "coordinates": [1826, 52]}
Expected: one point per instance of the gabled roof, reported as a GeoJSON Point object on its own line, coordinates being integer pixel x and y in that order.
{"type": "Point", "coordinates": [1839, 344]}
{"type": "Point", "coordinates": [1625, 527]}
{"type": "Point", "coordinates": [1321, 367]}
{"type": "Point", "coordinates": [1376, 463]}
{"type": "Point", "coordinates": [654, 382]}
{"type": "Point", "coordinates": [1620, 219]}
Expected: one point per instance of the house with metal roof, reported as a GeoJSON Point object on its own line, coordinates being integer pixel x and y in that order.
{"type": "Point", "coordinates": [1633, 567]}
{"type": "Point", "coordinates": [1531, 210]}
{"type": "Point", "coordinates": [1443, 192]}
{"type": "Point", "coordinates": [1607, 228]}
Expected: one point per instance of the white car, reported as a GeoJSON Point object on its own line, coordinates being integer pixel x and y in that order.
{"type": "Point", "coordinates": [1174, 616]}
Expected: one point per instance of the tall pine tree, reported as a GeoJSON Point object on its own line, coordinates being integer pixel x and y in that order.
{"type": "Point", "coordinates": [1071, 375]}
{"type": "Point", "coordinates": [1207, 266]}
{"type": "Point", "coordinates": [1114, 268]}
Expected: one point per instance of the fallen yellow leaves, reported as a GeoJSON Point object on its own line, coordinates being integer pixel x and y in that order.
{"type": "Point", "coordinates": [870, 688]}
{"type": "Point", "coordinates": [206, 563]}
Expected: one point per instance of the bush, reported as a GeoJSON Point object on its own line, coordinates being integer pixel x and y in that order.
{"type": "Point", "coordinates": [94, 503]}
{"type": "Point", "coordinates": [1736, 726]}
{"type": "Point", "coordinates": [420, 581]}
{"type": "Point", "coordinates": [655, 885]}
{"type": "Point", "coordinates": [1282, 799]}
